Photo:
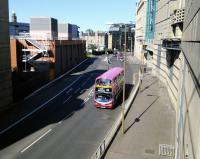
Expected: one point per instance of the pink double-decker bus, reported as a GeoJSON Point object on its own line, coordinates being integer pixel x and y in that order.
{"type": "Point", "coordinates": [108, 87]}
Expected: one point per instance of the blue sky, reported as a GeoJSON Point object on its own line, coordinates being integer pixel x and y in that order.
{"type": "Point", "coordinates": [87, 14]}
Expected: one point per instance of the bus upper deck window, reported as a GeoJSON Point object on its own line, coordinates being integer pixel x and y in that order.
{"type": "Point", "coordinates": [103, 82]}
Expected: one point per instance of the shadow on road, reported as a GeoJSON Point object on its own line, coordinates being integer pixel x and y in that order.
{"type": "Point", "coordinates": [128, 90]}
{"type": "Point", "coordinates": [53, 112]}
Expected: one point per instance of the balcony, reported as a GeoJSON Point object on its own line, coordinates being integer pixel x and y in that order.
{"type": "Point", "coordinates": [177, 17]}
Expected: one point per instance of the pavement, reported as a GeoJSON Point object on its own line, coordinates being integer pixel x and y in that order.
{"type": "Point", "coordinates": [149, 125]}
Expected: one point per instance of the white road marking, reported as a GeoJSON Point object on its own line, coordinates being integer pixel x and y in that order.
{"type": "Point", "coordinates": [86, 99]}
{"type": "Point", "coordinates": [60, 122]}
{"type": "Point", "coordinates": [38, 108]}
{"type": "Point", "coordinates": [83, 90]}
{"type": "Point", "coordinates": [26, 148]}
{"type": "Point", "coordinates": [105, 59]}
{"type": "Point", "coordinates": [67, 116]}
{"type": "Point", "coordinates": [67, 99]}
{"type": "Point", "coordinates": [85, 81]}
{"type": "Point", "coordinates": [76, 91]}
{"type": "Point", "coordinates": [53, 80]}
{"type": "Point", "coordinates": [82, 104]}
{"type": "Point", "coordinates": [91, 93]}
{"type": "Point", "coordinates": [69, 90]}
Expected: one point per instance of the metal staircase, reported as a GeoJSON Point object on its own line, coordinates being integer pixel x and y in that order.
{"type": "Point", "coordinates": [40, 50]}
{"type": "Point", "coordinates": [36, 44]}
{"type": "Point", "coordinates": [32, 54]}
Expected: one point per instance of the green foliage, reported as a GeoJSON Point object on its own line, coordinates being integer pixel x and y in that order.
{"type": "Point", "coordinates": [92, 46]}
{"type": "Point", "coordinates": [89, 31]}
{"type": "Point", "coordinates": [89, 55]}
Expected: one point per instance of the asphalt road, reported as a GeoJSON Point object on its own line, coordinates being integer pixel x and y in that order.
{"type": "Point", "coordinates": [61, 121]}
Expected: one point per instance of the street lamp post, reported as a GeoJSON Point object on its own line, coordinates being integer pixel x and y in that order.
{"type": "Point", "coordinates": [25, 61]}
{"type": "Point", "coordinates": [124, 83]}
{"type": "Point", "coordinates": [130, 38]}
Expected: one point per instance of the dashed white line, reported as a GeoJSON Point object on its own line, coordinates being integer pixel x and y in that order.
{"type": "Point", "coordinates": [91, 93]}
{"type": "Point", "coordinates": [69, 90]}
{"type": "Point", "coordinates": [76, 91]}
{"type": "Point", "coordinates": [54, 80]}
{"type": "Point", "coordinates": [67, 99]}
{"type": "Point", "coordinates": [26, 148]}
{"type": "Point", "coordinates": [67, 116]}
{"type": "Point", "coordinates": [82, 104]}
{"type": "Point", "coordinates": [86, 99]}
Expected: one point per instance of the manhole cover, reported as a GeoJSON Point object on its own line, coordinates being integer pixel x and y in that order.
{"type": "Point", "coordinates": [150, 151]}
{"type": "Point", "coordinates": [166, 150]}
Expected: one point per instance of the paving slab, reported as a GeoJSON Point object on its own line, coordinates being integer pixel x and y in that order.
{"type": "Point", "coordinates": [150, 123]}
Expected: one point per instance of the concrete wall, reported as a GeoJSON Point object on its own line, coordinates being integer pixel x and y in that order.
{"type": "Point", "coordinates": [189, 111]}
{"type": "Point", "coordinates": [5, 71]}
{"type": "Point", "coordinates": [163, 30]}
{"type": "Point", "coordinates": [162, 22]}
{"type": "Point", "coordinates": [183, 78]}
{"type": "Point", "coordinates": [170, 76]}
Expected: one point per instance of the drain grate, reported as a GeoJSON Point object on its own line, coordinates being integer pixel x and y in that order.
{"type": "Point", "coordinates": [166, 150]}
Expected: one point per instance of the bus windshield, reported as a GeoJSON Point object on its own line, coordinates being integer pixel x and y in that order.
{"type": "Point", "coordinates": [103, 82]}
{"type": "Point", "coordinates": [103, 97]}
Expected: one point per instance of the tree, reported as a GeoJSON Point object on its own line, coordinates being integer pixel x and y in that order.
{"type": "Point", "coordinates": [92, 46]}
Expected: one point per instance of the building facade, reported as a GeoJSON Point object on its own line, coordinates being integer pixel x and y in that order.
{"type": "Point", "coordinates": [15, 28]}
{"type": "Point", "coordinates": [44, 28]}
{"type": "Point", "coordinates": [189, 107]}
{"type": "Point", "coordinates": [75, 32]}
{"type": "Point", "coordinates": [62, 54]}
{"type": "Point", "coordinates": [140, 27]}
{"type": "Point", "coordinates": [97, 39]}
{"type": "Point", "coordinates": [5, 66]}
{"type": "Point", "coordinates": [68, 31]}
{"type": "Point", "coordinates": [65, 31]}
{"type": "Point", "coordinates": [173, 48]}
{"type": "Point", "coordinates": [116, 36]}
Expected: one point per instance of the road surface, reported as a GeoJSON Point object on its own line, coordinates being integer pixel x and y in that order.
{"type": "Point", "coordinates": [60, 120]}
